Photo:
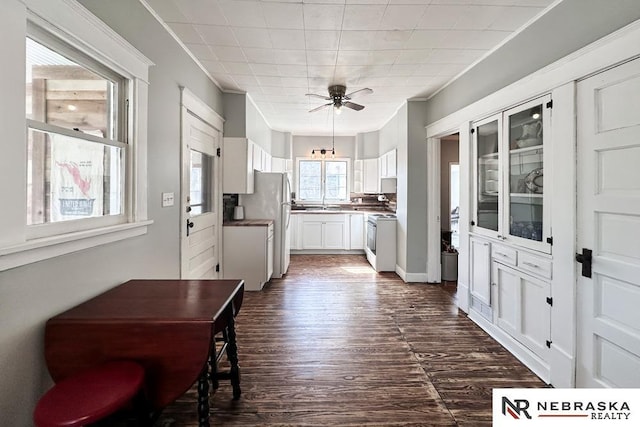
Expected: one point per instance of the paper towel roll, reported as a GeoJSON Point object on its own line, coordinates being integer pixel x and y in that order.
{"type": "Point", "coordinates": [238, 212]}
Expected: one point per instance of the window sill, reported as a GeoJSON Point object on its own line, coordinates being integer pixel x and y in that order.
{"type": "Point", "coordinates": [50, 247]}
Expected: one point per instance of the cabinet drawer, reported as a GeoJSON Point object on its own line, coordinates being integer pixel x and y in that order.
{"type": "Point", "coordinates": [534, 264]}
{"type": "Point", "coordinates": [504, 254]}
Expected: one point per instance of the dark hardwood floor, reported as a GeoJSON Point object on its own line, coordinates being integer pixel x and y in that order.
{"type": "Point", "coordinates": [334, 343]}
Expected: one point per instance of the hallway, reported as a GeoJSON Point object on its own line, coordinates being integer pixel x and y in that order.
{"type": "Point", "coordinates": [334, 343]}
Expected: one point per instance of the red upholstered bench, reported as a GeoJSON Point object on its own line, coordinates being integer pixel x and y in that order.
{"type": "Point", "coordinates": [90, 396]}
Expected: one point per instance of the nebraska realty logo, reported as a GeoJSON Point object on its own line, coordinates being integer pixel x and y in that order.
{"type": "Point", "coordinates": [565, 407]}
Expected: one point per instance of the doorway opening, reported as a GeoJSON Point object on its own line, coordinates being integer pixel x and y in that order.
{"type": "Point", "coordinates": [449, 210]}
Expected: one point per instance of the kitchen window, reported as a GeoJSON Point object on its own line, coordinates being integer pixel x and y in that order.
{"type": "Point", "coordinates": [323, 180]}
{"type": "Point", "coordinates": [77, 137]}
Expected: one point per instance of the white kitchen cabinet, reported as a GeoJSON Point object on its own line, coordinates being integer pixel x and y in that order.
{"type": "Point", "coordinates": [356, 231]}
{"type": "Point", "coordinates": [293, 232]}
{"type": "Point", "coordinates": [248, 254]}
{"type": "Point", "coordinates": [237, 166]}
{"type": "Point", "coordinates": [511, 203]}
{"type": "Point", "coordinates": [522, 308]}
{"type": "Point", "coordinates": [480, 276]}
{"type": "Point", "coordinates": [267, 162]}
{"type": "Point", "coordinates": [370, 176]}
{"type": "Point", "coordinates": [324, 231]}
{"type": "Point", "coordinates": [278, 164]}
{"type": "Point", "coordinates": [388, 166]}
{"type": "Point", "coordinates": [357, 176]}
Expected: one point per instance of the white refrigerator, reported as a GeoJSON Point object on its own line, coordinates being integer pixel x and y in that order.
{"type": "Point", "coordinates": [271, 199]}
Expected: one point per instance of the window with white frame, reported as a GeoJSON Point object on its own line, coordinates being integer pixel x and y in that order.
{"type": "Point", "coordinates": [76, 162]}
{"type": "Point", "coordinates": [76, 136]}
{"type": "Point", "coordinates": [323, 180]}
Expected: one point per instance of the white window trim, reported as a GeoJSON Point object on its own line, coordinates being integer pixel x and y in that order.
{"type": "Point", "coordinates": [323, 170]}
{"type": "Point", "coordinates": [76, 26]}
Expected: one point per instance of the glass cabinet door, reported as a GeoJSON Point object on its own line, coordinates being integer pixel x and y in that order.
{"type": "Point", "coordinates": [526, 128]}
{"type": "Point", "coordinates": [488, 172]}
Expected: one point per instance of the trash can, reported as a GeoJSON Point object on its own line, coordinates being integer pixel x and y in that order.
{"type": "Point", "coordinates": [449, 266]}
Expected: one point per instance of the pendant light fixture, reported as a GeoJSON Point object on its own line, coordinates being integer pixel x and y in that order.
{"type": "Point", "coordinates": [323, 151]}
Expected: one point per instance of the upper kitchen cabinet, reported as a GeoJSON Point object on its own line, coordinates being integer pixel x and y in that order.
{"type": "Point", "coordinates": [510, 203]}
{"type": "Point", "coordinates": [370, 176]}
{"type": "Point", "coordinates": [388, 164]}
{"type": "Point", "coordinates": [238, 165]}
{"type": "Point", "coordinates": [487, 212]}
{"type": "Point", "coordinates": [527, 205]}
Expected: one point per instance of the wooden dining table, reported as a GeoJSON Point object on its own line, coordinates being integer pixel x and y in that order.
{"type": "Point", "coordinates": [168, 326]}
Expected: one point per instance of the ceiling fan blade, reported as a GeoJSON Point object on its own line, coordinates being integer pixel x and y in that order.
{"type": "Point", "coordinates": [315, 95]}
{"type": "Point", "coordinates": [364, 91]}
{"type": "Point", "coordinates": [321, 107]}
{"type": "Point", "coordinates": [353, 105]}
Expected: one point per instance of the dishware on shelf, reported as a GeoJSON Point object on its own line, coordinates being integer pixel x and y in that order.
{"type": "Point", "coordinates": [529, 142]}
{"type": "Point", "coordinates": [534, 180]}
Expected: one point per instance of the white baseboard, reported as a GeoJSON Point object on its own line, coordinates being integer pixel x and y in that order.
{"type": "Point", "coordinates": [411, 277]}
{"type": "Point", "coordinates": [533, 362]}
{"type": "Point", "coordinates": [462, 297]}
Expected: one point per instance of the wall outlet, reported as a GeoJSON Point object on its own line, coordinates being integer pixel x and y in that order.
{"type": "Point", "coordinates": [167, 200]}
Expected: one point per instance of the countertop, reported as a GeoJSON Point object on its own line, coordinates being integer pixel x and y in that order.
{"type": "Point", "coordinates": [248, 223]}
{"type": "Point", "coordinates": [340, 211]}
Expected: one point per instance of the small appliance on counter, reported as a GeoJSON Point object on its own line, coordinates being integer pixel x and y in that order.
{"type": "Point", "coordinates": [238, 212]}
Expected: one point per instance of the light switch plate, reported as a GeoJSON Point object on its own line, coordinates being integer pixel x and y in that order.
{"type": "Point", "coordinates": [167, 199]}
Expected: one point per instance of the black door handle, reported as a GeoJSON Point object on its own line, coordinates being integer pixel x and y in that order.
{"type": "Point", "coordinates": [190, 224]}
{"type": "Point", "coordinates": [586, 259]}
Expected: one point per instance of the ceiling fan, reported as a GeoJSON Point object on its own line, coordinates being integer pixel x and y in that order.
{"type": "Point", "coordinates": [339, 99]}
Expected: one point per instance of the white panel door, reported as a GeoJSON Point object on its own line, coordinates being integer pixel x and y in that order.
{"type": "Point", "coordinates": [608, 351]}
{"type": "Point", "coordinates": [200, 219]}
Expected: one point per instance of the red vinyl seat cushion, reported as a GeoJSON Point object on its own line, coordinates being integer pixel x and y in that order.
{"type": "Point", "coordinates": [90, 396]}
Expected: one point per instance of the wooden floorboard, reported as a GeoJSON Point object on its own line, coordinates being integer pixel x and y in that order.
{"type": "Point", "coordinates": [336, 344]}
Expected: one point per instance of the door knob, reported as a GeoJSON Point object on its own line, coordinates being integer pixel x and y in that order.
{"type": "Point", "coordinates": [190, 224]}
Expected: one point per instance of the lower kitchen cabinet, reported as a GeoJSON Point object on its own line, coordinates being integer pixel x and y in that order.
{"type": "Point", "coordinates": [248, 254]}
{"type": "Point", "coordinates": [293, 232]}
{"type": "Point", "coordinates": [324, 231]}
{"type": "Point", "coordinates": [356, 231]}
{"type": "Point", "coordinates": [521, 307]}
{"type": "Point", "coordinates": [480, 276]}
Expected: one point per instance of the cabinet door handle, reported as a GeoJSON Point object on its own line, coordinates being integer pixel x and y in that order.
{"type": "Point", "coordinates": [501, 254]}
{"type": "Point", "coordinates": [530, 264]}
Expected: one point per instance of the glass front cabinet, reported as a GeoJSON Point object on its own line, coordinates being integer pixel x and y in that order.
{"type": "Point", "coordinates": [510, 201]}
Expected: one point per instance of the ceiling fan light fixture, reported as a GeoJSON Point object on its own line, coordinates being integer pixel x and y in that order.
{"type": "Point", "coordinates": [338, 108]}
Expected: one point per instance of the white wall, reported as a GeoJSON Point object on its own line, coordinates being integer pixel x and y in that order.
{"type": "Point", "coordinates": [31, 294]}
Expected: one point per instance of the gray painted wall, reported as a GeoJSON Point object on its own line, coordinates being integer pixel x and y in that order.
{"type": "Point", "coordinates": [368, 145]}
{"type": "Point", "coordinates": [571, 25]}
{"type": "Point", "coordinates": [389, 135]}
{"type": "Point", "coordinates": [235, 115]}
{"type": "Point", "coordinates": [31, 294]}
{"type": "Point", "coordinates": [281, 144]}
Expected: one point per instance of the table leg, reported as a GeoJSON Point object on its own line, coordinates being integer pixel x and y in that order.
{"type": "Point", "coordinates": [232, 355]}
{"type": "Point", "coordinates": [203, 398]}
